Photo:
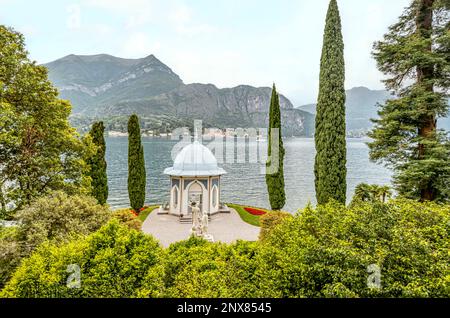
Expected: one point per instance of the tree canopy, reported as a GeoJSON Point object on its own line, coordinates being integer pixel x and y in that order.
{"type": "Point", "coordinates": [97, 164]}
{"type": "Point", "coordinates": [137, 178]}
{"type": "Point", "coordinates": [330, 163]}
{"type": "Point", "coordinates": [415, 57]}
{"type": "Point", "coordinates": [371, 249]}
{"type": "Point", "coordinates": [56, 218]}
{"type": "Point", "coordinates": [113, 262]}
{"type": "Point", "coordinates": [39, 150]}
{"type": "Point", "coordinates": [276, 152]}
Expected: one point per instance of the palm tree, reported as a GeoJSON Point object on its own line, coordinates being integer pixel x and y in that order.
{"type": "Point", "coordinates": [384, 193]}
{"type": "Point", "coordinates": [363, 192]}
{"type": "Point", "coordinates": [371, 193]}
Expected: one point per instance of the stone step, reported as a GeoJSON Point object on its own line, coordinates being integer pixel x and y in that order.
{"type": "Point", "coordinates": [209, 238]}
{"type": "Point", "coordinates": [189, 219]}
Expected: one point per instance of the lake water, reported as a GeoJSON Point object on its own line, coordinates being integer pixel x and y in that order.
{"type": "Point", "coordinates": [243, 183]}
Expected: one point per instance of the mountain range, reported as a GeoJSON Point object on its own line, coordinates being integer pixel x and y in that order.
{"type": "Point", "coordinates": [104, 86]}
{"type": "Point", "coordinates": [111, 88]}
{"type": "Point", "coordinates": [360, 106]}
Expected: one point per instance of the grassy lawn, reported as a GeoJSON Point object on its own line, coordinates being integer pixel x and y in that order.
{"type": "Point", "coordinates": [145, 213]}
{"type": "Point", "coordinates": [246, 216]}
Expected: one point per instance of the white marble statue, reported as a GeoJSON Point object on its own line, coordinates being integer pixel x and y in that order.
{"type": "Point", "coordinates": [204, 224]}
{"type": "Point", "coordinates": [200, 223]}
{"type": "Point", "coordinates": [196, 219]}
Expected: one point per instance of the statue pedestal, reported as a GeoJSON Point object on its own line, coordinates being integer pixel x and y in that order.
{"type": "Point", "coordinates": [209, 238]}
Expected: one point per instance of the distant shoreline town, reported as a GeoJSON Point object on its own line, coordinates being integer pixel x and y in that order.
{"type": "Point", "coordinates": [221, 133]}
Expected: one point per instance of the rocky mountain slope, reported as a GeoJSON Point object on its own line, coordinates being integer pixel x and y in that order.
{"type": "Point", "coordinates": [104, 86]}
{"type": "Point", "coordinates": [361, 106]}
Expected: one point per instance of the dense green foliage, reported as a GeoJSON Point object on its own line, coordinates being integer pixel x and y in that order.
{"type": "Point", "coordinates": [275, 156]}
{"type": "Point", "coordinates": [330, 162]}
{"type": "Point", "coordinates": [328, 251]}
{"type": "Point", "coordinates": [39, 150]}
{"type": "Point", "coordinates": [371, 193]}
{"type": "Point", "coordinates": [113, 262]}
{"type": "Point", "coordinates": [415, 56]}
{"type": "Point", "coordinates": [66, 244]}
{"type": "Point", "coordinates": [136, 165]}
{"type": "Point", "coordinates": [269, 221]}
{"type": "Point", "coordinates": [196, 268]}
{"type": "Point", "coordinates": [127, 218]}
{"type": "Point", "coordinates": [10, 255]}
{"type": "Point", "coordinates": [57, 218]}
{"type": "Point", "coordinates": [97, 164]}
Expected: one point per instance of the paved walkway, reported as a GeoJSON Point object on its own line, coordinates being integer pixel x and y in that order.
{"type": "Point", "coordinates": [225, 227]}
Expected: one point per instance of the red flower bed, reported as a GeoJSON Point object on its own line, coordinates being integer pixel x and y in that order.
{"type": "Point", "coordinates": [255, 211]}
{"type": "Point", "coordinates": [136, 213]}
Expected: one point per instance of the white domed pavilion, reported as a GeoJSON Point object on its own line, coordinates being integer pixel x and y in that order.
{"type": "Point", "coordinates": [194, 176]}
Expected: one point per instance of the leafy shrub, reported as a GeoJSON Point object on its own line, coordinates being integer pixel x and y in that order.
{"type": "Point", "coordinates": [196, 268]}
{"type": "Point", "coordinates": [9, 253]}
{"type": "Point", "coordinates": [57, 218]}
{"type": "Point", "coordinates": [328, 251]}
{"type": "Point", "coordinates": [371, 193]}
{"type": "Point", "coordinates": [268, 222]}
{"type": "Point", "coordinates": [128, 218]}
{"type": "Point", "coordinates": [114, 262]}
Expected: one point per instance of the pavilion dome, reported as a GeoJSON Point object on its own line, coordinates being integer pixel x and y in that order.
{"type": "Point", "coordinates": [195, 160]}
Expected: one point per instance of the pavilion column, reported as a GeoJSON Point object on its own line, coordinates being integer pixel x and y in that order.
{"type": "Point", "coordinates": [209, 195]}
{"type": "Point", "coordinates": [180, 208]}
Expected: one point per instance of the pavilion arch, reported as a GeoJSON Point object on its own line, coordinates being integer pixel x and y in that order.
{"type": "Point", "coordinates": [197, 175]}
{"type": "Point", "coordinates": [215, 197]}
{"type": "Point", "coordinates": [175, 196]}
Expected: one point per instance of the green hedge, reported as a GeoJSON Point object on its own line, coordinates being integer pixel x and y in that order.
{"type": "Point", "coordinates": [328, 251]}
{"type": "Point", "coordinates": [116, 261]}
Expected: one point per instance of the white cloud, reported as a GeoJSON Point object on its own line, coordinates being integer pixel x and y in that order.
{"type": "Point", "coordinates": [181, 20]}
{"type": "Point", "coordinates": [28, 30]}
{"type": "Point", "coordinates": [121, 6]}
{"type": "Point", "coordinates": [138, 45]}
{"type": "Point", "coordinates": [222, 68]}
{"type": "Point", "coordinates": [102, 29]}
{"type": "Point", "coordinates": [138, 12]}
{"type": "Point", "coordinates": [73, 20]}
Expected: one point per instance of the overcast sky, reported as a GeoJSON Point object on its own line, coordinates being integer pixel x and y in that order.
{"type": "Point", "coordinates": [224, 42]}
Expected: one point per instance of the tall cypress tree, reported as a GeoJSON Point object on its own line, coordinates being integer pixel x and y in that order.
{"type": "Point", "coordinates": [97, 164]}
{"type": "Point", "coordinates": [415, 54]}
{"type": "Point", "coordinates": [274, 165]}
{"type": "Point", "coordinates": [330, 163]}
{"type": "Point", "coordinates": [136, 165]}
